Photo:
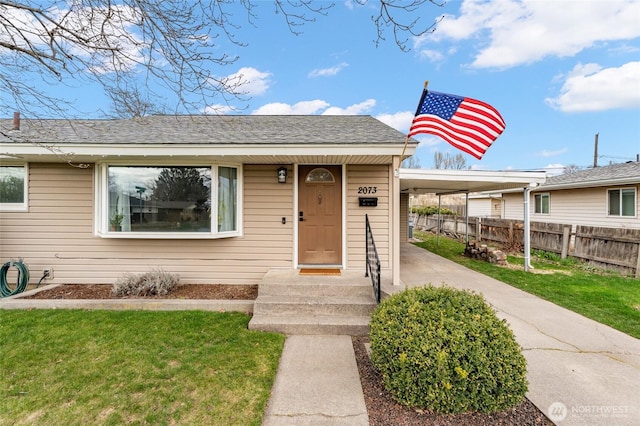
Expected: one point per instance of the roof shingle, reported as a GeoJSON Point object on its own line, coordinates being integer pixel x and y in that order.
{"type": "Point", "coordinates": [209, 129]}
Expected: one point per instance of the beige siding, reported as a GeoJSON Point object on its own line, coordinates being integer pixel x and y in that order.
{"type": "Point", "coordinates": [586, 206]}
{"type": "Point", "coordinates": [367, 176]}
{"type": "Point", "coordinates": [57, 232]}
{"type": "Point", "coordinates": [513, 206]}
{"type": "Point", "coordinates": [480, 207]}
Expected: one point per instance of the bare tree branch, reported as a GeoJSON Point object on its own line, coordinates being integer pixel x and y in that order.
{"type": "Point", "coordinates": [178, 44]}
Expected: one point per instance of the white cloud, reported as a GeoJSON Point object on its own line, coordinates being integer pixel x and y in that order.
{"type": "Point", "coordinates": [219, 109]}
{"type": "Point", "coordinates": [428, 141]}
{"type": "Point", "coordinates": [400, 121]}
{"type": "Point", "coordinates": [317, 106]}
{"type": "Point", "coordinates": [300, 108]}
{"type": "Point", "coordinates": [248, 81]}
{"type": "Point", "coordinates": [515, 32]}
{"type": "Point", "coordinates": [554, 169]}
{"type": "Point", "coordinates": [590, 87]}
{"type": "Point", "coordinates": [431, 55]}
{"type": "Point", "coordinates": [328, 72]}
{"type": "Point", "coordinates": [355, 109]}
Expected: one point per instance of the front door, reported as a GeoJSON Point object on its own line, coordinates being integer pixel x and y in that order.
{"type": "Point", "coordinates": [320, 215]}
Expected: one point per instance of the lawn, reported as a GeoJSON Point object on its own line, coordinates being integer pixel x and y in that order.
{"type": "Point", "coordinates": [76, 367]}
{"type": "Point", "coordinates": [608, 298]}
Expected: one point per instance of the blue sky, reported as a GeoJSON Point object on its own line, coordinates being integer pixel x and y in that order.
{"type": "Point", "coordinates": [558, 72]}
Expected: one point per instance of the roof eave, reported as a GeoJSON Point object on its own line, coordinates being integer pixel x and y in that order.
{"type": "Point", "coordinates": [627, 180]}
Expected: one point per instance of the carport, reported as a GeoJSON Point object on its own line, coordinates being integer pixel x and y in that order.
{"type": "Point", "coordinates": [446, 182]}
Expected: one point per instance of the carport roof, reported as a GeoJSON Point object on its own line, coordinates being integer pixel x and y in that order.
{"type": "Point", "coordinates": [428, 181]}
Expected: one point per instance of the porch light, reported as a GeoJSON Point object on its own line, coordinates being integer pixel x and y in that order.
{"type": "Point", "coordinates": [282, 175]}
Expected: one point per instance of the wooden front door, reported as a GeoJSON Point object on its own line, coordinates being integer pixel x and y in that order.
{"type": "Point", "coordinates": [320, 215]}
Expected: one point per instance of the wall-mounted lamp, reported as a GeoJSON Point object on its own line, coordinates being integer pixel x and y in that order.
{"type": "Point", "coordinates": [282, 175]}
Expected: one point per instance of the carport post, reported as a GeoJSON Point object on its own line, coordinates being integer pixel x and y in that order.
{"type": "Point", "coordinates": [438, 234]}
{"type": "Point", "coordinates": [466, 213]}
{"type": "Point", "coordinates": [527, 228]}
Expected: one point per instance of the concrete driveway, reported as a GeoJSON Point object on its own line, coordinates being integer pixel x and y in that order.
{"type": "Point", "coordinates": [580, 372]}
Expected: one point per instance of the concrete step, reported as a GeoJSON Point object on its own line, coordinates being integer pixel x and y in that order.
{"type": "Point", "coordinates": [293, 304]}
{"type": "Point", "coordinates": [272, 289]}
{"type": "Point", "coordinates": [312, 324]}
{"type": "Point", "coordinates": [319, 305]}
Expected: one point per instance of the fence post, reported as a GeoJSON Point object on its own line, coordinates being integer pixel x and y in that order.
{"type": "Point", "coordinates": [511, 239]}
{"type": "Point", "coordinates": [566, 237]}
{"type": "Point", "coordinates": [478, 229]}
{"type": "Point", "coordinates": [638, 263]}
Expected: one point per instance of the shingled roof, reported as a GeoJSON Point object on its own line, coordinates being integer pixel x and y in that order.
{"type": "Point", "coordinates": [614, 174]}
{"type": "Point", "coordinates": [208, 129]}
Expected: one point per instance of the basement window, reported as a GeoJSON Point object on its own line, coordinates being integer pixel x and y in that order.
{"type": "Point", "coordinates": [14, 187]}
{"type": "Point", "coordinates": [169, 201]}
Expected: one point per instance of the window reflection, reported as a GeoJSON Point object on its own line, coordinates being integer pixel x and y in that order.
{"type": "Point", "coordinates": [159, 199]}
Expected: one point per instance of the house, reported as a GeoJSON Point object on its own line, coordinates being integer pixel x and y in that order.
{"type": "Point", "coordinates": [215, 199]}
{"type": "Point", "coordinates": [486, 204]}
{"type": "Point", "coordinates": [605, 196]}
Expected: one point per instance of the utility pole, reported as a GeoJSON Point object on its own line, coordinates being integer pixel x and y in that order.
{"type": "Point", "coordinates": [595, 152]}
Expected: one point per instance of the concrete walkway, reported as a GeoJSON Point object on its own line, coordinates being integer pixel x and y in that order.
{"type": "Point", "coordinates": [580, 372]}
{"type": "Point", "coordinates": [317, 384]}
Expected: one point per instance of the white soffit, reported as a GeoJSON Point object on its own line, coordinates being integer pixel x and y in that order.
{"type": "Point", "coordinates": [427, 181]}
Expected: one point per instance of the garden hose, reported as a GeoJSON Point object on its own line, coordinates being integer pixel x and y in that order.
{"type": "Point", "coordinates": [21, 283]}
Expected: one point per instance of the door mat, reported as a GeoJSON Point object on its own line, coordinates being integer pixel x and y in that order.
{"type": "Point", "coordinates": [320, 271]}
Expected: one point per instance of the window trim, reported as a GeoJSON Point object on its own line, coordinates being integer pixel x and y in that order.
{"type": "Point", "coordinates": [24, 205]}
{"type": "Point", "coordinates": [101, 216]}
{"type": "Point", "coordinates": [542, 195]}
{"type": "Point", "coordinates": [635, 202]}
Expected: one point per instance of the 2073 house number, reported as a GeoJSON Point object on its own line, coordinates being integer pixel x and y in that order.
{"type": "Point", "coordinates": [367, 189]}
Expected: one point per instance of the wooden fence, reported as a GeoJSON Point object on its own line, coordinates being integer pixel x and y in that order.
{"type": "Point", "coordinates": [609, 248]}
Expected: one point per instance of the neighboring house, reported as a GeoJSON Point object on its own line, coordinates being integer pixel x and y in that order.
{"type": "Point", "coordinates": [605, 196]}
{"type": "Point", "coordinates": [486, 205]}
{"type": "Point", "coordinates": [215, 199]}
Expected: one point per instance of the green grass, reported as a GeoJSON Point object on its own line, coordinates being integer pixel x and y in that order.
{"type": "Point", "coordinates": [76, 367]}
{"type": "Point", "coordinates": [608, 298]}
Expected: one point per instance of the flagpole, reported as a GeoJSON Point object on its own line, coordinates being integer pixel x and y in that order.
{"type": "Point", "coordinates": [424, 92]}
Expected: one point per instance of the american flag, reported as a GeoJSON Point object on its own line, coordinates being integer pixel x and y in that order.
{"type": "Point", "coordinates": [468, 124]}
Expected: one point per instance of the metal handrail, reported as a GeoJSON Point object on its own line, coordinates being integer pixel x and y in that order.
{"type": "Point", "coordinates": [373, 260]}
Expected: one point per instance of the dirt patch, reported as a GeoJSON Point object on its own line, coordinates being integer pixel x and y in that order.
{"type": "Point", "coordinates": [182, 291]}
{"type": "Point", "coordinates": [384, 411]}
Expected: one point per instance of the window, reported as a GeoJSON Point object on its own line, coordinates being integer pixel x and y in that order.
{"type": "Point", "coordinates": [169, 201]}
{"type": "Point", "coordinates": [622, 202]}
{"type": "Point", "coordinates": [541, 203]}
{"type": "Point", "coordinates": [13, 187]}
{"type": "Point", "coordinates": [319, 175]}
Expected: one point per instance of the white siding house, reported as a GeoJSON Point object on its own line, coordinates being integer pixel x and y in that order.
{"type": "Point", "coordinates": [603, 196]}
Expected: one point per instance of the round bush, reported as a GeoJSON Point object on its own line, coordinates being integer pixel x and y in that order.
{"type": "Point", "coordinates": [445, 350]}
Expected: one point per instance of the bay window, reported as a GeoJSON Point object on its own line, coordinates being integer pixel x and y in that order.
{"type": "Point", "coordinates": [169, 201]}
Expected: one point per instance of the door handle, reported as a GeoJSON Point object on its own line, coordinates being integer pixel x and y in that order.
{"type": "Point", "coordinates": [301, 216]}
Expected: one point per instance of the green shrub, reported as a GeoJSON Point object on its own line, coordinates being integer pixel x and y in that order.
{"type": "Point", "coordinates": [156, 282]}
{"type": "Point", "coordinates": [432, 210]}
{"type": "Point", "coordinates": [446, 350]}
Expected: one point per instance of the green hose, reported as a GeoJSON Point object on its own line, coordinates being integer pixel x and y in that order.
{"type": "Point", "coordinates": [22, 281]}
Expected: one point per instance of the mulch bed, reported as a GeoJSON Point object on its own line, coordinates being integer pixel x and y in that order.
{"type": "Point", "coordinates": [182, 291]}
{"type": "Point", "coordinates": [383, 410]}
